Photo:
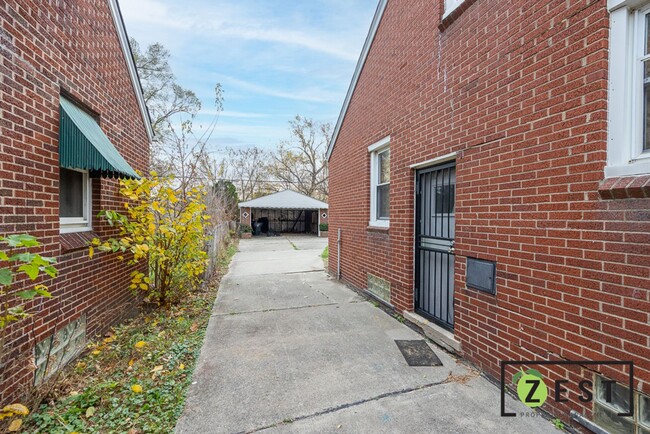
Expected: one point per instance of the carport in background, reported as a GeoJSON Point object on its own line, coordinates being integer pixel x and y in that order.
{"type": "Point", "coordinates": [285, 212]}
{"type": "Point", "coordinates": [295, 221]}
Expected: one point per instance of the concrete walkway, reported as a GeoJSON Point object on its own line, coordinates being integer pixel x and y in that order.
{"type": "Point", "coordinates": [289, 350]}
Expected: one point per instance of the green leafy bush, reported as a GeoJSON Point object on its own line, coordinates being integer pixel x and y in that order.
{"type": "Point", "coordinates": [323, 227]}
{"type": "Point", "coordinates": [245, 229]}
{"type": "Point", "coordinates": [15, 260]}
{"type": "Point", "coordinates": [166, 229]}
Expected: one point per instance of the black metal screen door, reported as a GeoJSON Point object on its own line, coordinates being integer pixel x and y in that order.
{"type": "Point", "coordinates": [434, 243]}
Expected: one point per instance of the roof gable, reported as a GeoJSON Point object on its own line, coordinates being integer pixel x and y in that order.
{"type": "Point", "coordinates": [286, 199]}
{"type": "Point", "coordinates": [130, 64]}
{"type": "Point", "coordinates": [357, 72]}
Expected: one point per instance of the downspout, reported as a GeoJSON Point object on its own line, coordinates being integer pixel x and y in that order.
{"type": "Point", "coordinates": [587, 423]}
{"type": "Point", "coordinates": [338, 255]}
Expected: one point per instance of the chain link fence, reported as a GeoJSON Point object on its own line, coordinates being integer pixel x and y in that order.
{"type": "Point", "coordinates": [220, 238]}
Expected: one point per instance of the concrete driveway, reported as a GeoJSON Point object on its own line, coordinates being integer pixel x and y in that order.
{"type": "Point", "coordinates": [290, 350]}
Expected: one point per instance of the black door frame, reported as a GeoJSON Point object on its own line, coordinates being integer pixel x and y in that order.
{"type": "Point", "coordinates": [447, 323]}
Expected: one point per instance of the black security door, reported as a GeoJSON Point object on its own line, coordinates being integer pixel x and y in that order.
{"type": "Point", "coordinates": [434, 243]}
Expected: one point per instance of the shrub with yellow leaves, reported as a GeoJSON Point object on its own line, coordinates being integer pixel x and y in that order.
{"type": "Point", "coordinates": [165, 228]}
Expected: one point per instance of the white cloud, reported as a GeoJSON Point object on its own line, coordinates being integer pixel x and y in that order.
{"type": "Point", "coordinates": [222, 24]}
{"type": "Point", "coordinates": [155, 12]}
{"type": "Point", "coordinates": [289, 37]}
{"type": "Point", "coordinates": [313, 94]}
{"type": "Point", "coordinates": [233, 114]}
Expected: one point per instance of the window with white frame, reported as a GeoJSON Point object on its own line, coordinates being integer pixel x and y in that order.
{"type": "Point", "coordinates": [380, 183]}
{"type": "Point", "coordinates": [75, 203]}
{"type": "Point", "coordinates": [628, 149]}
{"type": "Point", "coordinates": [450, 5]}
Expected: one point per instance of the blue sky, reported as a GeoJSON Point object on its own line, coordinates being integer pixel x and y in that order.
{"type": "Point", "coordinates": [275, 59]}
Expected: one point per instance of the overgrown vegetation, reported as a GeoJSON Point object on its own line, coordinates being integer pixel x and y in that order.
{"type": "Point", "coordinates": [245, 229]}
{"type": "Point", "coordinates": [18, 261]}
{"type": "Point", "coordinates": [164, 228]}
{"type": "Point", "coordinates": [133, 380]}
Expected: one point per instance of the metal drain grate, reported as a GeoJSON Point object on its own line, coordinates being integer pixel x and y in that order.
{"type": "Point", "coordinates": [418, 353]}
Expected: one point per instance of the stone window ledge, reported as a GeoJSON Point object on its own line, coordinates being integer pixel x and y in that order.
{"type": "Point", "coordinates": [625, 187]}
{"type": "Point", "coordinates": [377, 230]}
{"type": "Point", "coordinates": [453, 16]}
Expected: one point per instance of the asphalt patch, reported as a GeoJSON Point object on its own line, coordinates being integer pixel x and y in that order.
{"type": "Point", "coordinates": [418, 353]}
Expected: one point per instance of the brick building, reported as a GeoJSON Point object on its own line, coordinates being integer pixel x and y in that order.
{"type": "Point", "coordinates": [490, 178]}
{"type": "Point", "coordinates": [72, 121]}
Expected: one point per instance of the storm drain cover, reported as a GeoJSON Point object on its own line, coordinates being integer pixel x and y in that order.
{"type": "Point", "coordinates": [418, 353]}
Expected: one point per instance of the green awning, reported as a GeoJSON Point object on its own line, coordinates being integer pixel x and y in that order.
{"type": "Point", "coordinates": [83, 145]}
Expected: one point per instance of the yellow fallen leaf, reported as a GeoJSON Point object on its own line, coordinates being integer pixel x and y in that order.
{"type": "Point", "coordinates": [16, 409]}
{"type": "Point", "coordinates": [181, 367]}
{"type": "Point", "coordinates": [15, 425]}
{"type": "Point", "coordinates": [90, 411]}
{"type": "Point", "coordinates": [91, 252]}
{"type": "Point", "coordinates": [136, 388]}
{"type": "Point", "coordinates": [96, 352]}
{"type": "Point", "coordinates": [140, 344]}
{"type": "Point", "coordinates": [109, 339]}
{"type": "Point", "coordinates": [131, 362]}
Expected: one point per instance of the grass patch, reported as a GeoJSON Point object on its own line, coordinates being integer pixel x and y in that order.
{"type": "Point", "coordinates": [135, 379]}
{"type": "Point", "coordinates": [326, 253]}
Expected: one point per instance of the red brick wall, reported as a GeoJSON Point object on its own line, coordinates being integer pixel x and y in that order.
{"type": "Point", "coordinates": [245, 220]}
{"type": "Point", "coordinates": [47, 47]}
{"type": "Point", "coordinates": [519, 90]}
{"type": "Point", "coordinates": [322, 219]}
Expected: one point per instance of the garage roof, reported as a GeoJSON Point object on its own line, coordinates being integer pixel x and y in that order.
{"type": "Point", "coordinates": [287, 199]}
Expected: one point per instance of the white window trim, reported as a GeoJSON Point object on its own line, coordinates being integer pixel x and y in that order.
{"type": "Point", "coordinates": [76, 224]}
{"type": "Point", "coordinates": [625, 111]}
{"type": "Point", "coordinates": [450, 6]}
{"type": "Point", "coordinates": [374, 151]}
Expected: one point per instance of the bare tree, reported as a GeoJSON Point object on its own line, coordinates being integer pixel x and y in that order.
{"type": "Point", "coordinates": [162, 94]}
{"type": "Point", "coordinates": [178, 150]}
{"type": "Point", "coordinates": [247, 169]}
{"type": "Point", "coordinates": [300, 163]}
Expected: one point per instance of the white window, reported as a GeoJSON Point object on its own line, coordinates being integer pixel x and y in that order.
{"type": "Point", "coordinates": [450, 5]}
{"type": "Point", "coordinates": [380, 183]}
{"type": "Point", "coordinates": [628, 148]}
{"type": "Point", "coordinates": [75, 202]}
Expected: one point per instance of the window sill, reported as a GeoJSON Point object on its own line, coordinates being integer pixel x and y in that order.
{"type": "Point", "coordinates": [76, 240]}
{"type": "Point", "coordinates": [448, 19]}
{"type": "Point", "coordinates": [625, 187]}
{"type": "Point", "coordinates": [378, 229]}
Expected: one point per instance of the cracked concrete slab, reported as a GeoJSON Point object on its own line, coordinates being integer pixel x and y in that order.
{"type": "Point", "coordinates": [285, 346]}
{"type": "Point", "coordinates": [442, 408]}
{"type": "Point", "coordinates": [279, 255]}
{"type": "Point", "coordinates": [240, 293]}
